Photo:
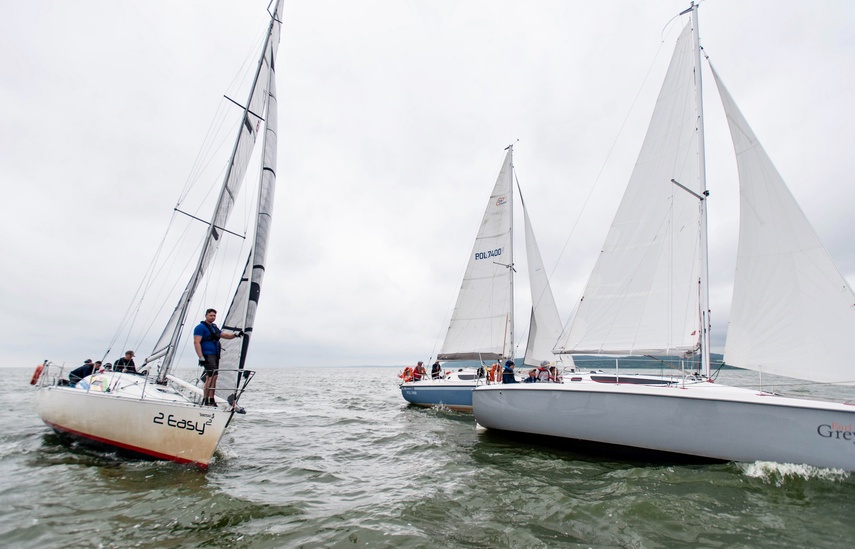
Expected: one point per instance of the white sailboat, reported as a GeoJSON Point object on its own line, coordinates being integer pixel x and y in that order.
{"type": "Point", "coordinates": [792, 313]}
{"type": "Point", "coordinates": [482, 325]}
{"type": "Point", "coordinates": [163, 416]}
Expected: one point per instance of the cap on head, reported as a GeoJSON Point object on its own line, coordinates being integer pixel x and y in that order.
{"type": "Point", "coordinates": [87, 361]}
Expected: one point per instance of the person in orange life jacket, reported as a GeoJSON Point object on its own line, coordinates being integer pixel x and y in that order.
{"type": "Point", "coordinates": [508, 373]}
{"type": "Point", "coordinates": [206, 340]}
{"type": "Point", "coordinates": [494, 372]}
{"type": "Point", "coordinates": [419, 371]}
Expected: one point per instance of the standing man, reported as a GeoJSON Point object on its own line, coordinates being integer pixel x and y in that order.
{"type": "Point", "coordinates": [206, 340]}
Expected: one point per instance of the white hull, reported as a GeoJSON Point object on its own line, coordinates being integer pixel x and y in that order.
{"type": "Point", "coordinates": [696, 419]}
{"type": "Point", "coordinates": [140, 417]}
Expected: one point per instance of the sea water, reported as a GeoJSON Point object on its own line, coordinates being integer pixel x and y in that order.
{"type": "Point", "coordinates": [334, 457]}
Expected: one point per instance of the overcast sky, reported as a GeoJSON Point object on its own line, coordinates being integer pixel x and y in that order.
{"type": "Point", "coordinates": [393, 119]}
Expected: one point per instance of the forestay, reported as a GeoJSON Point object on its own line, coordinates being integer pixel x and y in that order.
{"type": "Point", "coordinates": [643, 295]}
{"type": "Point", "coordinates": [793, 313]}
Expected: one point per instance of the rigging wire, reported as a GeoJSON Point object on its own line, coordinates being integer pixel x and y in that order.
{"type": "Point", "coordinates": [596, 182]}
{"type": "Point", "coordinates": [165, 259]}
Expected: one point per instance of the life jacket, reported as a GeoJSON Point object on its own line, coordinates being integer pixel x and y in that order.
{"type": "Point", "coordinates": [213, 335]}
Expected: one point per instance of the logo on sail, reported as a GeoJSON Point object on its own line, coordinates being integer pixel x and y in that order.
{"type": "Point", "coordinates": [501, 201]}
{"type": "Point", "coordinates": [487, 255]}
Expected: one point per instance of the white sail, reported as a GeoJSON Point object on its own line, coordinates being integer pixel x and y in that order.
{"type": "Point", "coordinates": [244, 144]}
{"type": "Point", "coordinates": [642, 297]}
{"type": "Point", "coordinates": [545, 325]}
{"type": "Point", "coordinates": [793, 312]}
{"type": "Point", "coordinates": [481, 322]}
{"type": "Point", "coordinates": [792, 315]}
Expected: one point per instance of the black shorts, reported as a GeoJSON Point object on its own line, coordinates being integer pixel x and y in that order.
{"type": "Point", "coordinates": [212, 364]}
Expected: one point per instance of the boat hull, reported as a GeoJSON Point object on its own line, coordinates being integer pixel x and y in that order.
{"type": "Point", "coordinates": [699, 419]}
{"type": "Point", "coordinates": [157, 428]}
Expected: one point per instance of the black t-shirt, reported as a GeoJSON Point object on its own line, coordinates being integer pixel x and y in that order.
{"type": "Point", "coordinates": [125, 365]}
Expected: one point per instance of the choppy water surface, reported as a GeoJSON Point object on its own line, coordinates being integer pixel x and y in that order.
{"type": "Point", "coordinates": [335, 458]}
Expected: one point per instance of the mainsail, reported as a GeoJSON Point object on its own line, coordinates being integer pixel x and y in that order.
{"type": "Point", "coordinates": [643, 295]}
{"type": "Point", "coordinates": [241, 313]}
{"type": "Point", "coordinates": [787, 288]}
{"type": "Point", "coordinates": [253, 116]}
{"type": "Point", "coordinates": [482, 323]}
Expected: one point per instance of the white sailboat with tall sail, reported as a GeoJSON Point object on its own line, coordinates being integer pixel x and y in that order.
{"type": "Point", "coordinates": [482, 324]}
{"type": "Point", "coordinates": [163, 416]}
{"type": "Point", "coordinates": [792, 314]}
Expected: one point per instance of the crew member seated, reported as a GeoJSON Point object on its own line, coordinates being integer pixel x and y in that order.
{"type": "Point", "coordinates": [508, 373]}
{"type": "Point", "coordinates": [126, 364]}
{"type": "Point", "coordinates": [419, 371]}
{"type": "Point", "coordinates": [80, 372]}
{"type": "Point", "coordinates": [543, 372]}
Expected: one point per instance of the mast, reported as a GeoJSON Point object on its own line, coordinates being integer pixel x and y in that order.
{"type": "Point", "coordinates": [511, 247]}
{"type": "Point", "coordinates": [244, 143]}
{"type": "Point", "coordinates": [703, 287]}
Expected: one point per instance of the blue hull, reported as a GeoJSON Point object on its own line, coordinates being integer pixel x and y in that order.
{"type": "Point", "coordinates": [456, 397]}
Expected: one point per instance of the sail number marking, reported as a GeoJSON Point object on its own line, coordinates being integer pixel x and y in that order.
{"type": "Point", "coordinates": [487, 255]}
{"type": "Point", "coordinates": [183, 424]}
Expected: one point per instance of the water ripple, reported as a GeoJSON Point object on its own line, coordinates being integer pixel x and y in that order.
{"type": "Point", "coordinates": [335, 458]}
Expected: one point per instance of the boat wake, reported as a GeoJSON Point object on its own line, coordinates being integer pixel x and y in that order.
{"type": "Point", "coordinates": [779, 473]}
